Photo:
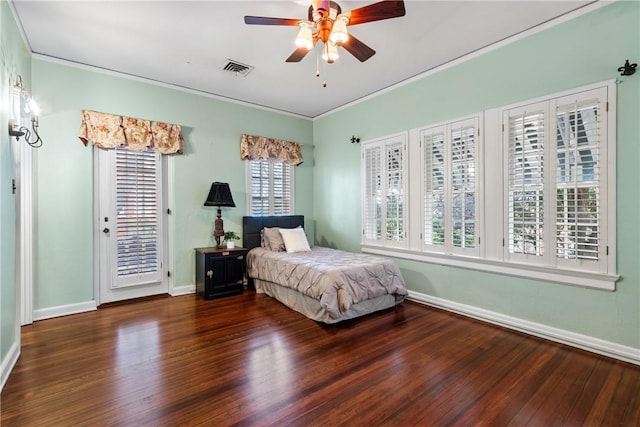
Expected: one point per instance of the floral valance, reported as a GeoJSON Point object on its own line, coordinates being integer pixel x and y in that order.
{"type": "Point", "coordinates": [111, 131]}
{"type": "Point", "coordinates": [259, 147]}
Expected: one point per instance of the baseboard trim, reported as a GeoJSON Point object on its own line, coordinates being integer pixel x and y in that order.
{"type": "Point", "coordinates": [9, 363]}
{"type": "Point", "coordinates": [64, 310]}
{"type": "Point", "coordinates": [183, 290]}
{"type": "Point", "coordinates": [584, 342]}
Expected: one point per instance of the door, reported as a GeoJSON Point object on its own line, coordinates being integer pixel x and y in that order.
{"type": "Point", "coordinates": [130, 224]}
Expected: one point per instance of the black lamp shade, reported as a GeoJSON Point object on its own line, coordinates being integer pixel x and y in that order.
{"type": "Point", "coordinates": [220, 195]}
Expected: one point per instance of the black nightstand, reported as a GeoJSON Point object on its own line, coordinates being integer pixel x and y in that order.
{"type": "Point", "coordinates": [220, 272]}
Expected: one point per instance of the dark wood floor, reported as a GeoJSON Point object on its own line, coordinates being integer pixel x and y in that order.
{"type": "Point", "coordinates": [247, 360]}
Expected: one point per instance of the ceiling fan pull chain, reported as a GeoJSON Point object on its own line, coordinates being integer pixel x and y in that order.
{"type": "Point", "coordinates": [324, 72]}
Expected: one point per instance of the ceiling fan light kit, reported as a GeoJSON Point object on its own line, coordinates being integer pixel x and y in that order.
{"type": "Point", "coordinates": [330, 25]}
{"type": "Point", "coordinates": [305, 36]}
{"type": "Point", "coordinates": [330, 53]}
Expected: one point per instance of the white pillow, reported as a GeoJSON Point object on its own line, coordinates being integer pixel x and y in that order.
{"type": "Point", "coordinates": [295, 240]}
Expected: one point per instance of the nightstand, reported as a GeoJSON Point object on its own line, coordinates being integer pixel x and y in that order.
{"type": "Point", "coordinates": [220, 272]}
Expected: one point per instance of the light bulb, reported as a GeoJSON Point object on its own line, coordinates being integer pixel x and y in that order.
{"type": "Point", "coordinates": [330, 53]}
{"type": "Point", "coordinates": [305, 38]}
{"type": "Point", "coordinates": [339, 32]}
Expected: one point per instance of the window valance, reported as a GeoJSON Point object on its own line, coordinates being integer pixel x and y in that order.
{"type": "Point", "coordinates": [111, 131]}
{"type": "Point", "coordinates": [259, 147]}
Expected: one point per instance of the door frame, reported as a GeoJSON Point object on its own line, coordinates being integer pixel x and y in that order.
{"type": "Point", "coordinates": [24, 167]}
{"type": "Point", "coordinates": [167, 223]}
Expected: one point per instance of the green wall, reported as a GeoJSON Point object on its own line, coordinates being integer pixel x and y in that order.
{"type": "Point", "coordinates": [585, 50]}
{"type": "Point", "coordinates": [64, 179]}
{"type": "Point", "coordinates": [15, 60]}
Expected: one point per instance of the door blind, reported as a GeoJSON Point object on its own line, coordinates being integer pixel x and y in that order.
{"type": "Point", "coordinates": [137, 218]}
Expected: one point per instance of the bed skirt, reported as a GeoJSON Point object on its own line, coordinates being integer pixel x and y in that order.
{"type": "Point", "coordinates": [312, 308]}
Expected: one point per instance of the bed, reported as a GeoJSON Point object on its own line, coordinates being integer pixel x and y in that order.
{"type": "Point", "coordinates": [324, 284]}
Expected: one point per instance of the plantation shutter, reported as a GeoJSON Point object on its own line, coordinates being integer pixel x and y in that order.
{"type": "Point", "coordinates": [434, 187]}
{"type": "Point", "coordinates": [579, 180]}
{"type": "Point", "coordinates": [271, 188]}
{"type": "Point", "coordinates": [372, 203]}
{"type": "Point", "coordinates": [395, 173]}
{"type": "Point", "coordinates": [138, 217]}
{"type": "Point", "coordinates": [259, 201]}
{"type": "Point", "coordinates": [463, 185]}
{"type": "Point", "coordinates": [525, 177]}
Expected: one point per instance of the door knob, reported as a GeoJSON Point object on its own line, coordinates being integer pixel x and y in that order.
{"type": "Point", "coordinates": [106, 230]}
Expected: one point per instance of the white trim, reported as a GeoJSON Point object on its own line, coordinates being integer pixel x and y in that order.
{"type": "Point", "coordinates": [96, 225]}
{"type": "Point", "coordinates": [9, 363]}
{"type": "Point", "coordinates": [165, 85]}
{"type": "Point", "coordinates": [182, 290]}
{"type": "Point", "coordinates": [565, 277]}
{"type": "Point", "coordinates": [609, 84]}
{"type": "Point", "coordinates": [169, 226]}
{"type": "Point", "coordinates": [64, 310]}
{"type": "Point", "coordinates": [24, 232]}
{"type": "Point", "coordinates": [584, 342]}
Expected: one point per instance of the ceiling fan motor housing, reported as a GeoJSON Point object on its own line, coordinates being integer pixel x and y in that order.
{"type": "Point", "coordinates": [324, 19]}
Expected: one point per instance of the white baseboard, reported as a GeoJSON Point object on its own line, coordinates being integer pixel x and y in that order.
{"type": "Point", "coordinates": [183, 290]}
{"type": "Point", "coordinates": [64, 310]}
{"type": "Point", "coordinates": [8, 363]}
{"type": "Point", "coordinates": [584, 342]}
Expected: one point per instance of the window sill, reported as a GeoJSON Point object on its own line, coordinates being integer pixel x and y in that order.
{"type": "Point", "coordinates": [582, 279]}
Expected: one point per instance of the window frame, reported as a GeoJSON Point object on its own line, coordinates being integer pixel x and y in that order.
{"type": "Point", "coordinates": [383, 144]}
{"type": "Point", "coordinates": [447, 130]}
{"type": "Point", "coordinates": [270, 189]}
{"type": "Point", "coordinates": [493, 216]}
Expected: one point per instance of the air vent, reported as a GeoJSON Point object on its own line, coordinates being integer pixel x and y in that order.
{"type": "Point", "coordinates": [235, 67]}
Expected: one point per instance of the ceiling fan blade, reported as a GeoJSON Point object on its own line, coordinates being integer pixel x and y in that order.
{"type": "Point", "coordinates": [376, 12]}
{"type": "Point", "coordinates": [358, 49]}
{"type": "Point", "coordinates": [298, 55]}
{"type": "Point", "coordinates": [263, 20]}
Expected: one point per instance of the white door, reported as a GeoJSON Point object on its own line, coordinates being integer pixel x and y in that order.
{"type": "Point", "coordinates": [130, 224]}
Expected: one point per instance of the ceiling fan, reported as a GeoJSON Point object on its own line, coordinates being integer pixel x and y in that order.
{"type": "Point", "coordinates": [327, 23]}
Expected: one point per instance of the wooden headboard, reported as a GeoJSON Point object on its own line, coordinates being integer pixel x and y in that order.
{"type": "Point", "coordinates": [251, 226]}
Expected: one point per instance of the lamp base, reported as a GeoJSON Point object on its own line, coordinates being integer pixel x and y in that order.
{"type": "Point", "coordinates": [218, 230]}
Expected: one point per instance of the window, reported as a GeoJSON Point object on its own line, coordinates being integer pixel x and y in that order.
{"type": "Point", "coordinates": [270, 187]}
{"type": "Point", "coordinates": [384, 200]}
{"type": "Point", "coordinates": [555, 175]}
{"type": "Point", "coordinates": [544, 210]}
{"type": "Point", "coordinates": [449, 178]}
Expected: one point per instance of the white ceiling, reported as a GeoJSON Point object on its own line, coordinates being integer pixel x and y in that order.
{"type": "Point", "coordinates": [184, 43]}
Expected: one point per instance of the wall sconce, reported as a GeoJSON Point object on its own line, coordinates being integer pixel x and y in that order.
{"type": "Point", "coordinates": [24, 106]}
{"type": "Point", "coordinates": [627, 69]}
{"type": "Point", "coordinates": [355, 140]}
